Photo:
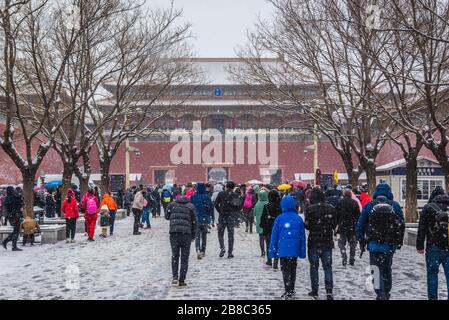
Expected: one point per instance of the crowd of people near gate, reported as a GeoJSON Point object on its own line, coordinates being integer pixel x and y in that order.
{"type": "Point", "coordinates": [291, 222]}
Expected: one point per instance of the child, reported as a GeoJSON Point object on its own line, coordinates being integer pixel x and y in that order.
{"type": "Point", "coordinates": [104, 221]}
{"type": "Point", "coordinates": [29, 227]}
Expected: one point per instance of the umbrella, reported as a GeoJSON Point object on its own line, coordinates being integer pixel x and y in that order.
{"type": "Point", "coordinates": [298, 183]}
{"type": "Point", "coordinates": [284, 187]}
{"type": "Point", "coordinates": [52, 184]}
{"type": "Point", "coordinates": [168, 186]}
{"type": "Point", "coordinates": [253, 182]}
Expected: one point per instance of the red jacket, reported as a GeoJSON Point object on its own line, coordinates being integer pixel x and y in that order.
{"type": "Point", "coordinates": [365, 198]}
{"type": "Point", "coordinates": [70, 210]}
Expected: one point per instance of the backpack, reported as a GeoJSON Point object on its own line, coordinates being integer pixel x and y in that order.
{"type": "Point", "coordinates": [385, 226]}
{"type": "Point", "coordinates": [232, 203]}
{"type": "Point", "coordinates": [166, 197]}
{"type": "Point", "coordinates": [248, 201]}
{"type": "Point", "coordinates": [91, 205]}
{"type": "Point", "coordinates": [441, 220]}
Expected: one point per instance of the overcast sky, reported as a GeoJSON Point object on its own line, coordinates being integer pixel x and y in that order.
{"type": "Point", "coordinates": [219, 26]}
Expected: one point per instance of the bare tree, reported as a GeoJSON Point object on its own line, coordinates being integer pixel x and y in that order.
{"type": "Point", "coordinates": [30, 82]}
{"type": "Point", "coordinates": [148, 47]}
{"type": "Point", "coordinates": [321, 45]}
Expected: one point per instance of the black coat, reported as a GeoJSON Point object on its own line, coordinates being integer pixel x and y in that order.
{"type": "Point", "coordinates": [182, 216]}
{"type": "Point", "coordinates": [269, 215]}
{"type": "Point", "coordinates": [348, 213]}
{"type": "Point", "coordinates": [321, 221]}
{"type": "Point", "coordinates": [13, 204]}
{"type": "Point", "coordinates": [428, 229]}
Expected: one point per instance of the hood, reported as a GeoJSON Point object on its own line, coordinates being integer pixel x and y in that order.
{"type": "Point", "coordinates": [317, 196]}
{"type": "Point", "coordinates": [200, 188]}
{"type": "Point", "coordinates": [273, 197]}
{"type": "Point", "coordinates": [384, 190]}
{"type": "Point", "coordinates": [107, 197]}
{"type": "Point", "coordinates": [442, 199]}
{"type": "Point", "coordinates": [256, 188]}
{"type": "Point", "coordinates": [288, 204]}
{"type": "Point", "coordinates": [10, 191]}
{"type": "Point", "coordinates": [263, 196]}
{"type": "Point", "coordinates": [71, 193]}
{"type": "Point", "coordinates": [218, 188]}
{"type": "Point", "coordinates": [183, 200]}
{"type": "Point", "coordinates": [365, 196]}
{"type": "Point", "coordinates": [438, 191]}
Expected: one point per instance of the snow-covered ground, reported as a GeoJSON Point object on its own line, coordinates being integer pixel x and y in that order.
{"type": "Point", "coordinates": [138, 267]}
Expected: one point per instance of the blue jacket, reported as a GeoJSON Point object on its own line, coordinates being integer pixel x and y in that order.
{"type": "Point", "coordinates": [288, 237]}
{"type": "Point", "coordinates": [203, 204]}
{"type": "Point", "coordinates": [381, 194]}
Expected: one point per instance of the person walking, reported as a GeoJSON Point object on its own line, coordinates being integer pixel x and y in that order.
{"type": "Point", "coordinates": [13, 204]}
{"type": "Point", "coordinates": [288, 243]}
{"type": "Point", "coordinates": [204, 211]}
{"type": "Point", "coordinates": [112, 207]}
{"type": "Point", "coordinates": [321, 221]}
{"type": "Point", "coordinates": [29, 227]}
{"type": "Point", "coordinates": [348, 214]}
{"type": "Point", "coordinates": [270, 212]}
{"type": "Point", "coordinates": [71, 213]}
{"type": "Point", "coordinates": [381, 229]}
{"type": "Point", "coordinates": [183, 224]}
{"type": "Point", "coordinates": [138, 205]}
{"type": "Point", "coordinates": [258, 210]}
{"type": "Point", "coordinates": [217, 189]}
{"type": "Point", "coordinates": [248, 205]}
{"type": "Point", "coordinates": [90, 206]}
{"type": "Point", "coordinates": [166, 198]}
{"type": "Point", "coordinates": [147, 209]}
{"type": "Point", "coordinates": [228, 204]}
{"type": "Point", "coordinates": [433, 231]}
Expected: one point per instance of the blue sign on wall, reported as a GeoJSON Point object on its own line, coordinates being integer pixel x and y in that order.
{"type": "Point", "coordinates": [217, 92]}
{"type": "Point", "coordinates": [422, 171]}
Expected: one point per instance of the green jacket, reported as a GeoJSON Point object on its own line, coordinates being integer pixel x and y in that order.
{"type": "Point", "coordinates": [258, 209]}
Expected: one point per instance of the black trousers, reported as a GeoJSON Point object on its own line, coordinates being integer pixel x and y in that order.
{"type": "Point", "coordinates": [180, 247]}
{"type": "Point", "coordinates": [288, 267]}
{"type": "Point", "coordinates": [137, 214]}
{"type": "Point", "coordinates": [262, 244]}
{"type": "Point", "coordinates": [226, 221]}
{"type": "Point", "coordinates": [267, 242]}
{"type": "Point", "coordinates": [14, 236]}
{"type": "Point", "coordinates": [26, 237]}
{"type": "Point", "coordinates": [70, 228]}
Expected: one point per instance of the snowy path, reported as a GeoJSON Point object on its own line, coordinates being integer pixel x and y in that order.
{"type": "Point", "coordinates": [138, 267]}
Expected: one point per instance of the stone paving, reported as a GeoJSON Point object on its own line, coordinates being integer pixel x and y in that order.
{"type": "Point", "coordinates": [138, 267]}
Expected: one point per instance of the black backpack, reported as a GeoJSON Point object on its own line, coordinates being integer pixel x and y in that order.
{"type": "Point", "coordinates": [385, 226]}
{"type": "Point", "coordinates": [441, 220]}
{"type": "Point", "coordinates": [233, 202]}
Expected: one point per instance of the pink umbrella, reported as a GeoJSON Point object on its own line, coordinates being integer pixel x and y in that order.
{"type": "Point", "coordinates": [298, 183]}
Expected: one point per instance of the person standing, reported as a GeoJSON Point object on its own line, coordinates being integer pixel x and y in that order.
{"type": "Point", "coordinates": [148, 207]}
{"type": "Point", "coordinates": [270, 212]}
{"type": "Point", "coordinates": [321, 221]}
{"type": "Point", "coordinates": [138, 205]}
{"type": "Point", "coordinates": [29, 227]}
{"type": "Point", "coordinates": [13, 205]}
{"type": "Point", "coordinates": [258, 210]}
{"type": "Point", "coordinates": [70, 210]}
{"type": "Point", "coordinates": [91, 207]}
{"type": "Point", "coordinates": [248, 205]}
{"type": "Point", "coordinates": [183, 224]}
{"type": "Point", "coordinates": [204, 211]}
{"type": "Point", "coordinates": [120, 198]}
{"type": "Point", "coordinates": [112, 210]}
{"type": "Point", "coordinates": [348, 214]}
{"type": "Point", "coordinates": [228, 204]}
{"type": "Point", "coordinates": [127, 201]}
{"type": "Point", "coordinates": [288, 242]}
{"type": "Point", "coordinates": [51, 204]}
{"type": "Point", "coordinates": [433, 229]}
{"type": "Point", "coordinates": [57, 198]}
{"type": "Point", "coordinates": [381, 226]}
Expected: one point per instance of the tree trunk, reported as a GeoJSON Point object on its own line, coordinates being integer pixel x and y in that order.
{"type": "Point", "coordinates": [105, 168]}
{"type": "Point", "coordinates": [370, 170]}
{"type": "Point", "coordinates": [353, 178]}
{"type": "Point", "coordinates": [28, 195]}
{"type": "Point", "coordinates": [66, 178]}
{"type": "Point", "coordinates": [411, 191]}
